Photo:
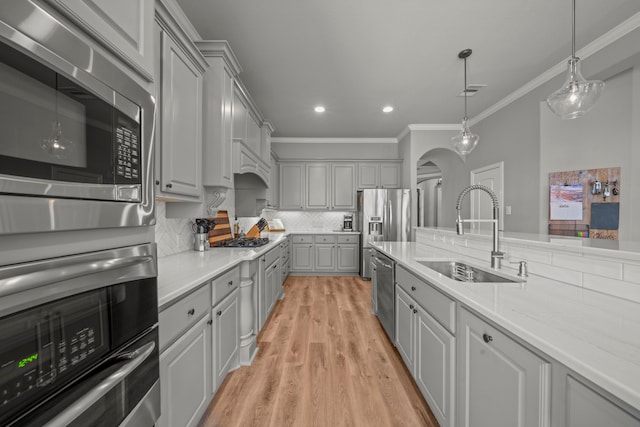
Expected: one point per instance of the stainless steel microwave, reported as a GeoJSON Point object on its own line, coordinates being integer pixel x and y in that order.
{"type": "Point", "coordinates": [76, 147]}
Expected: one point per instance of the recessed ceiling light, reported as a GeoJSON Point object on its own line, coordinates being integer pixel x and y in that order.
{"type": "Point", "coordinates": [319, 109]}
{"type": "Point", "coordinates": [387, 109]}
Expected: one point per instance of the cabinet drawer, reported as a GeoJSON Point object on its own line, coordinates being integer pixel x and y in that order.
{"type": "Point", "coordinates": [350, 238]}
{"type": "Point", "coordinates": [302, 239]}
{"type": "Point", "coordinates": [325, 239]}
{"type": "Point", "coordinates": [440, 306]}
{"type": "Point", "coordinates": [224, 284]}
{"type": "Point", "coordinates": [271, 256]}
{"type": "Point", "coordinates": [182, 315]}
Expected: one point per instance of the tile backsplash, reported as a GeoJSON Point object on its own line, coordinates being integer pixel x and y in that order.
{"type": "Point", "coordinates": [173, 235]}
{"type": "Point", "coordinates": [308, 220]}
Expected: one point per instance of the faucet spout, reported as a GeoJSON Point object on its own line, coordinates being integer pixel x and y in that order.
{"type": "Point", "coordinates": [496, 255]}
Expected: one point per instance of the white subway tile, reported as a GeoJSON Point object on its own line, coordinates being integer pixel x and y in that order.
{"type": "Point", "coordinates": [626, 290]}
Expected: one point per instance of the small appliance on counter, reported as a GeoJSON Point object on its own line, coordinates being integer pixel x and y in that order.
{"type": "Point", "coordinates": [201, 228]}
{"type": "Point", "coordinates": [347, 223]}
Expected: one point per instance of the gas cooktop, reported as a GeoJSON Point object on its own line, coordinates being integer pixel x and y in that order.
{"type": "Point", "coordinates": [244, 242]}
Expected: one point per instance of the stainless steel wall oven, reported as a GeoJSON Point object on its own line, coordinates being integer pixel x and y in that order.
{"type": "Point", "coordinates": [79, 340]}
{"type": "Point", "coordinates": [76, 146]}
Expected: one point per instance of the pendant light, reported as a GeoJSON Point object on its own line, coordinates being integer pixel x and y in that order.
{"type": "Point", "coordinates": [577, 96]}
{"type": "Point", "coordinates": [465, 141]}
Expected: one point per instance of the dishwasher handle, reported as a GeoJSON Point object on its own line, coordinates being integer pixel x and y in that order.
{"type": "Point", "coordinates": [382, 263]}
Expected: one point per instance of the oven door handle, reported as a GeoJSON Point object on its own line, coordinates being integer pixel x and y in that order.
{"type": "Point", "coordinates": [35, 279]}
{"type": "Point", "coordinates": [135, 359]}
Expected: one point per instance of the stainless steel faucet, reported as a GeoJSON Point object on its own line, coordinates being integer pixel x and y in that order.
{"type": "Point", "coordinates": [496, 255]}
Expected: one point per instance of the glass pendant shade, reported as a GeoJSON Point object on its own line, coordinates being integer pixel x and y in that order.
{"type": "Point", "coordinates": [465, 141]}
{"type": "Point", "coordinates": [577, 96]}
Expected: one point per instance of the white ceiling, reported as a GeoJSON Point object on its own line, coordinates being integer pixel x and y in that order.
{"type": "Point", "coordinates": [356, 56]}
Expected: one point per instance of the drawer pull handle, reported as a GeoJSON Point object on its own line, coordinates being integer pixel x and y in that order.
{"type": "Point", "coordinates": [413, 288]}
{"type": "Point", "coordinates": [487, 338]}
{"type": "Point", "coordinates": [169, 185]}
{"type": "Point", "coordinates": [191, 312]}
{"type": "Point", "coordinates": [230, 283]}
{"type": "Point", "coordinates": [209, 322]}
{"type": "Point", "coordinates": [219, 313]}
{"type": "Point", "coordinates": [411, 306]}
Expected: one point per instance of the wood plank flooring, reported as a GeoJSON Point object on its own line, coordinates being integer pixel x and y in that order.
{"type": "Point", "coordinates": [325, 361]}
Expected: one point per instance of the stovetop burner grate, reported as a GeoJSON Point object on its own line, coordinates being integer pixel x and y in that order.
{"type": "Point", "coordinates": [244, 242]}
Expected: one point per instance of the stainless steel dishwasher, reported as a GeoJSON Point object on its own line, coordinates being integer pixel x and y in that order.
{"type": "Point", "coordinates": [384, 282]}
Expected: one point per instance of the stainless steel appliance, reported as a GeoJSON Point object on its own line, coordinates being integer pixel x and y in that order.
{"type": "Point", "coordinates": [76, 147]}
{"type": "Point", "coordinates": [383, 215]}
{"type": "Point", "coordinates": [384, 282]}
{"type": "Point", "coordinates": [80, 340]}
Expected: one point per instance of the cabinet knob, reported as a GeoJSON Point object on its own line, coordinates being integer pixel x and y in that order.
{"type": "Point", "coordinates": [230, 283]}
{"type": "Point", "coordinates": [487, 338]}
{"type": "Point", "coordinates": [411, 306]}
{"type": "Point", "coordinates": [169, 185]}
{"type": "Point", "coordinates": [157, 182]}
{"type": "Point", "coordinates": [413, 288]}
{"type": "Point", "coordinates": [219, 313]}
{"type": "Point", "coordinates": [191, 312]}
{"type": "Point", "coordinates": [209, 322]}
{"type": "Point", "coordinates": [415, 311]}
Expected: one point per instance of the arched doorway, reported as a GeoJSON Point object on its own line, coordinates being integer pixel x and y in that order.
{"type": "Point", "coordinates": [429, 194]}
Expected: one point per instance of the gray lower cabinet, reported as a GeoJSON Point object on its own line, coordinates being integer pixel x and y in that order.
{"type": "Point", "coordinates": [225, 337]}
{"type": "Point", "coordinates": [502, 383]}
{"type": "Point", "coordinates": [325, 253]}
{"type": "Point", "coordinates": [325, 256]}
{"type": "Point", "coordinates": [428, 350]}
{"type": "Point", "coordinates": [269, 284]}
{"type": "Point", "coordinates": [302, 253]}
{"type": "Point", "coordinates": [347, 257]}
{"type": "Point", "coordinates": [185, 377]}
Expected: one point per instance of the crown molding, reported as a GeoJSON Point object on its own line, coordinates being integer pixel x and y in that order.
{"type": "Point", "coordinates": [293, 140]}
{"type": "Point", "coordinates": [266, 124]}
{"type": "Point", "coordinates": [220, 49]}
{"type": "Point", "coordinates": [595, 46]}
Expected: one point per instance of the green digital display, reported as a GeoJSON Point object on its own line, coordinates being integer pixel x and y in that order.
{"type": "Point", "coordinates": [24, 362]}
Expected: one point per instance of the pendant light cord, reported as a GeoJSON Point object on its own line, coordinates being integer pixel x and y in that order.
{"type": "Point", "coordinates": [573, 30]}
{"type": "Point", "coordinates": [465, 88]}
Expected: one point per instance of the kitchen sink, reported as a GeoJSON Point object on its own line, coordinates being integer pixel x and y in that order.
{"type": "Point", "coordinates": [458, 270]}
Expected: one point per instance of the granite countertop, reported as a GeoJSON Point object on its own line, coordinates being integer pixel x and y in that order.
{"type": "Point", "coordinates": [594, 334]}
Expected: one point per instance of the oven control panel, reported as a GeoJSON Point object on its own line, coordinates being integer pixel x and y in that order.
{"type": "Point", "coordinates": [127, 153]}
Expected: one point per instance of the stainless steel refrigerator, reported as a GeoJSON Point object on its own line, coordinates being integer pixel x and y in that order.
{"type": "Point", "coordinates": [383, 215]}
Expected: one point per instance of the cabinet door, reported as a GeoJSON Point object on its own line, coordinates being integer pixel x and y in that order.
{"type": "Point", "coordinates": [124, 26]}
{"type": "Point", "coordinates": [273, 285]}
{"type": "Point", "coordinates": [253, 135]}
{"type": "Point", "coordinates": [302, 257]}
{"type": "Point", "coordinates": [185, 377]}
{"type": "Point", "coordinates": [347, 257]}
{"type": "Point", "coordinates": [325, 259]}
{"type": "Point", "coordinates": [368, 175]}
{"type": "Point", "coordinates": [240, 117]}
{"type": "Point", "coordinates": [405, 324]}
{"type": "Point", "coordinates": [586, 407]}
{"type": "Point", "coordinates": [343, 187]}
{"type": "Point", "coordinates": [181, 122]}
{"type": "Point", "coordinates": [434, 366]}
{"type": "Point", "coordinates": [292, 178]}
{"type": "Point", "coordinates": [502, 384]}
{"type": "Point", "coordinates": [226, 336]}
{"type": "Point", "coordinates": [273, 194]}
{"type": "Point", "coordinates": [389, 175]}
{"type": "Point", "coordinates": [317, 186]}
{"type": "Point", "coordinates": [218, 124]}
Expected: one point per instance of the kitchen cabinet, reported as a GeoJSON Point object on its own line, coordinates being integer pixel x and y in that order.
{"type": "Point", "coordinates": [225, 330]}
{"type": "Point", "coordinates": [292, 185]}
{"type": "Point", "coordinates": [348, 253]}
{"type": "Point", "coordinates": [273, 192]}
{"type": "Point", "coordinates": [587, 407]}
{"type": "Point", "coordinates": [425, 325]}
{"type": "Point", "coordinates": [179, 159]}
{"type": "Point", "coordinates": [253, 135]}
{"type": "Point", "coordinates": [269, 284]}
{"type": "Point", "coordinates": [186, 380]}
{"type": "Point", "coordinates": [218, 112]}
{"type": "Point", "coordinates": [317, 186]}
{"type": "Point", "coordinates": [240, 116]}
{"type": "Point", "coordinates": [379, 175]}
{"type": "Point", "coordinates": [321, 254]}
{"type": "Point", "coordinates": [343, 186]}
{"type": "Point", "coordinates": [246, 161]}
{"type": "Point", "coordinates": [501, 382]}
{"type": "Point", "coordinates": [125, 27]}
{"type": "Point", "coordinates": [302, 253]}
{"type": "Point", "coordinates": [265, 141]}
{"type": "Point", "coordinates": [285, 265]}
{"type": "Point", "coordinates": [225, 337]}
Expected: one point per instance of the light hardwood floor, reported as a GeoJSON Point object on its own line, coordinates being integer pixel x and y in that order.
{"type": "Point", "coordinates": [325, 361]}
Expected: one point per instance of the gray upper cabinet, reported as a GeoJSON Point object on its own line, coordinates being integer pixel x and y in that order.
{"type": "Point", "coordinates": [218, 109]}
{"type": "Point", "coordinates": [125, 27]}
{"type": "Point", "coordinates": [292, 185]}
{"type": "Point", "coordinates": [317, 186]}
{"type": "Point", "coordinates": [343, 186]}
{"type": "Point", "coordinates": [379, 175]}
{"type": "Point", "coordinates": [179, 167]}
{"type": "Point", "coordinates": [502, 383]}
